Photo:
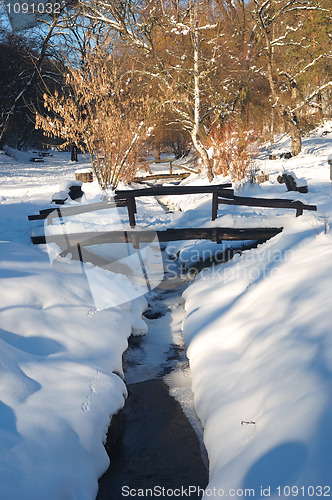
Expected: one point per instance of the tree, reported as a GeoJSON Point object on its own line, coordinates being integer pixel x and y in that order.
{"type": "Point", "coordinates": [26, 79]}
{"type": "Point", "coordinates": [104, 111]}
{"type": "Point", "coordinates": [282, 29]}
{"type": "Point", "coordinates": [178, 44]}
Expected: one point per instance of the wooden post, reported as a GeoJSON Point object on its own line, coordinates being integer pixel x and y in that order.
{"type": "Point", "coordinates": [131, 206]}
{"type": "Point", "coordinates": [217, 236]}
{"type": "Point", "coordinates": [134, 240]}
{"type": "Point", "coordinates": [170, 167]}
{"type": "Point", "coordinates": [73, 155]}
{"type": "Point", "coordinates": [214, 205]}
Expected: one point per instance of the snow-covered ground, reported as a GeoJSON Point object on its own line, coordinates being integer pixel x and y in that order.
{"type": "Point", "coordinates": [259, 338]}
{"type": "Point", "coordinates": [60, 359]}
{"type": "Point", "coordinates": [257, 330]}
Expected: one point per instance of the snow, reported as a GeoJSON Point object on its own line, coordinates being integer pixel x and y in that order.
{"type": "Point", "coordinates": [66, 185]}
{"type": "Point", "coordinates": [299, 182]}
{"type": "Point", "coordinates": [83, 171]}
{"type": "Point", "coordinates": [60, 195]}
{"type": "Point", "coordinates": [54, 372]}
{"type": "Point", "coordinates": [61, 359]}
{"type": "Point", "coordinates": [256, 330]}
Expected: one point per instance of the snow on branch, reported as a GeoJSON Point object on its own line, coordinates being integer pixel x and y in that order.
{"type": "Point", "coordinates": [117, 20]}
{"type": "Point", "coordinates": [303, 70]}
{"type": "Point", "coordinates": [312, 95]}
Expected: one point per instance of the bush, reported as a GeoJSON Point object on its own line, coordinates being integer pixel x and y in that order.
{"type": "Point", "coordinates": [232, 149]}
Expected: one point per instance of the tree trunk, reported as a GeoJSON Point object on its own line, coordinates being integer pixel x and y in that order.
{"type": "Point", "coordinates": [204, 156]}
{"type": "Point", "coordinates": [320, 106]}
{"type": "Point", "coordinates": [271, 132]}
{"type": "Point", "coordinates": [195, 132]}
{"type": "Point", "coordinates": [296, 140]}
{"type": "Point", "coordinates": [295, 133]}
{"type": "Point", "coordinates": [73, 156]}
{"type": "Point", "coordinates": [7, 126]}
{"type": "Point", "coordinates": [157, 149]}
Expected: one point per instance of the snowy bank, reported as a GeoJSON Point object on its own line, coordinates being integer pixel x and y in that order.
{"type": "Point", "coordinates": [258, 331]}
{"type": "Point", "coordinates": [60, 358]}
{"type": "Point", "coordinates": [60, 378]}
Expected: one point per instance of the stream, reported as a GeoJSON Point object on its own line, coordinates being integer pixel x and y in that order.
{"type": "Point", "coordinates": [155, 442]}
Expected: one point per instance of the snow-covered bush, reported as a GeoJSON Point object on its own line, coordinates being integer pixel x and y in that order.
{"type": "Point", "coordinates": [232, 150]}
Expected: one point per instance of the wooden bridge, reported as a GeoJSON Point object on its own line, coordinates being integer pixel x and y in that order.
{"type": "Point", "coordinates": [221, 194]}
{"type": "Point", "coordinates": [76, 243]}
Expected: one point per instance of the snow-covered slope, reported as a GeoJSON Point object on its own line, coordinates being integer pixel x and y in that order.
{"type": "Point", "coordinates": [60, 359]}
{"type": "Point", "coordinates": [259, 338]}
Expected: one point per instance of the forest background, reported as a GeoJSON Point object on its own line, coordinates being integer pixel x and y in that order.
{"type": "Point", "coordinates": [124, 79]}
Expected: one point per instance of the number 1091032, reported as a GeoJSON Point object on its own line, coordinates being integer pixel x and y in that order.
{"type": "Point", "coordinates": [304, 491]}
{"type": "Point", "coordinates": [33, 8]}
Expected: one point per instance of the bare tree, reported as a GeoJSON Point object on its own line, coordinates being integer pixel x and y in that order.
{"type": "Point", "coordinates": [104, 111]}
{"type": "Point", "coordinates": [286, 47]}
{"type": "Point", "coordinates": [178, 45]}
{"type": "Point", "coordinates": [29, 80]}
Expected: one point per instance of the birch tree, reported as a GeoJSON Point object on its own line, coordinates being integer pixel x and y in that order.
{"type": "Point", "coordinates": [177, 44]}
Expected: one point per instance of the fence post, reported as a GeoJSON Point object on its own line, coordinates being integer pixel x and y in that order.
{"type": "Point", "coordinates": [131, 206]}
{"type": "Point", "coordinates": [214, 205]}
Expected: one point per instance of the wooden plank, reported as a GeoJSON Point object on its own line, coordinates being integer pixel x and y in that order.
{"type": "Point", "coordinates": [80, 209]}
{"type": "Point", "coordinates": [217, 234]}
{"type": "Point", "coordinates": [131, 206]}
{"type": "Point", "coordinates": [158, 177]}
{"type": "Point", "coordinates": [162, 160]}
{"type": "Point", "coordinates": [267, 203]}
{"type": "Point", "coordinates": [37, 160]}
{"type": "Point", "coordinates": [172, 165]}
{"type": "Point", "coordinates": [291, 184]}
{"type": "Point", "coordinates": [175, 190]}
{"type": "Point", "coordinates": [41, 216]}
{"type": "Point", "coordinates": [187, 169]}
{"type": "Point", "coordinates": [211, 233]}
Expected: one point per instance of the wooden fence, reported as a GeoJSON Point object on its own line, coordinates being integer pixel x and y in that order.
{"type": "Point", "coordinates": [259, 202]}
{"type": "Point", "coordinates": [126, 198]}
{"type": "Point", "coordinates": [221, 194]}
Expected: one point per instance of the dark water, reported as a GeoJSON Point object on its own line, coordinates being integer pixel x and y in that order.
{"type": "Point", "coordinates": [152, 445]}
